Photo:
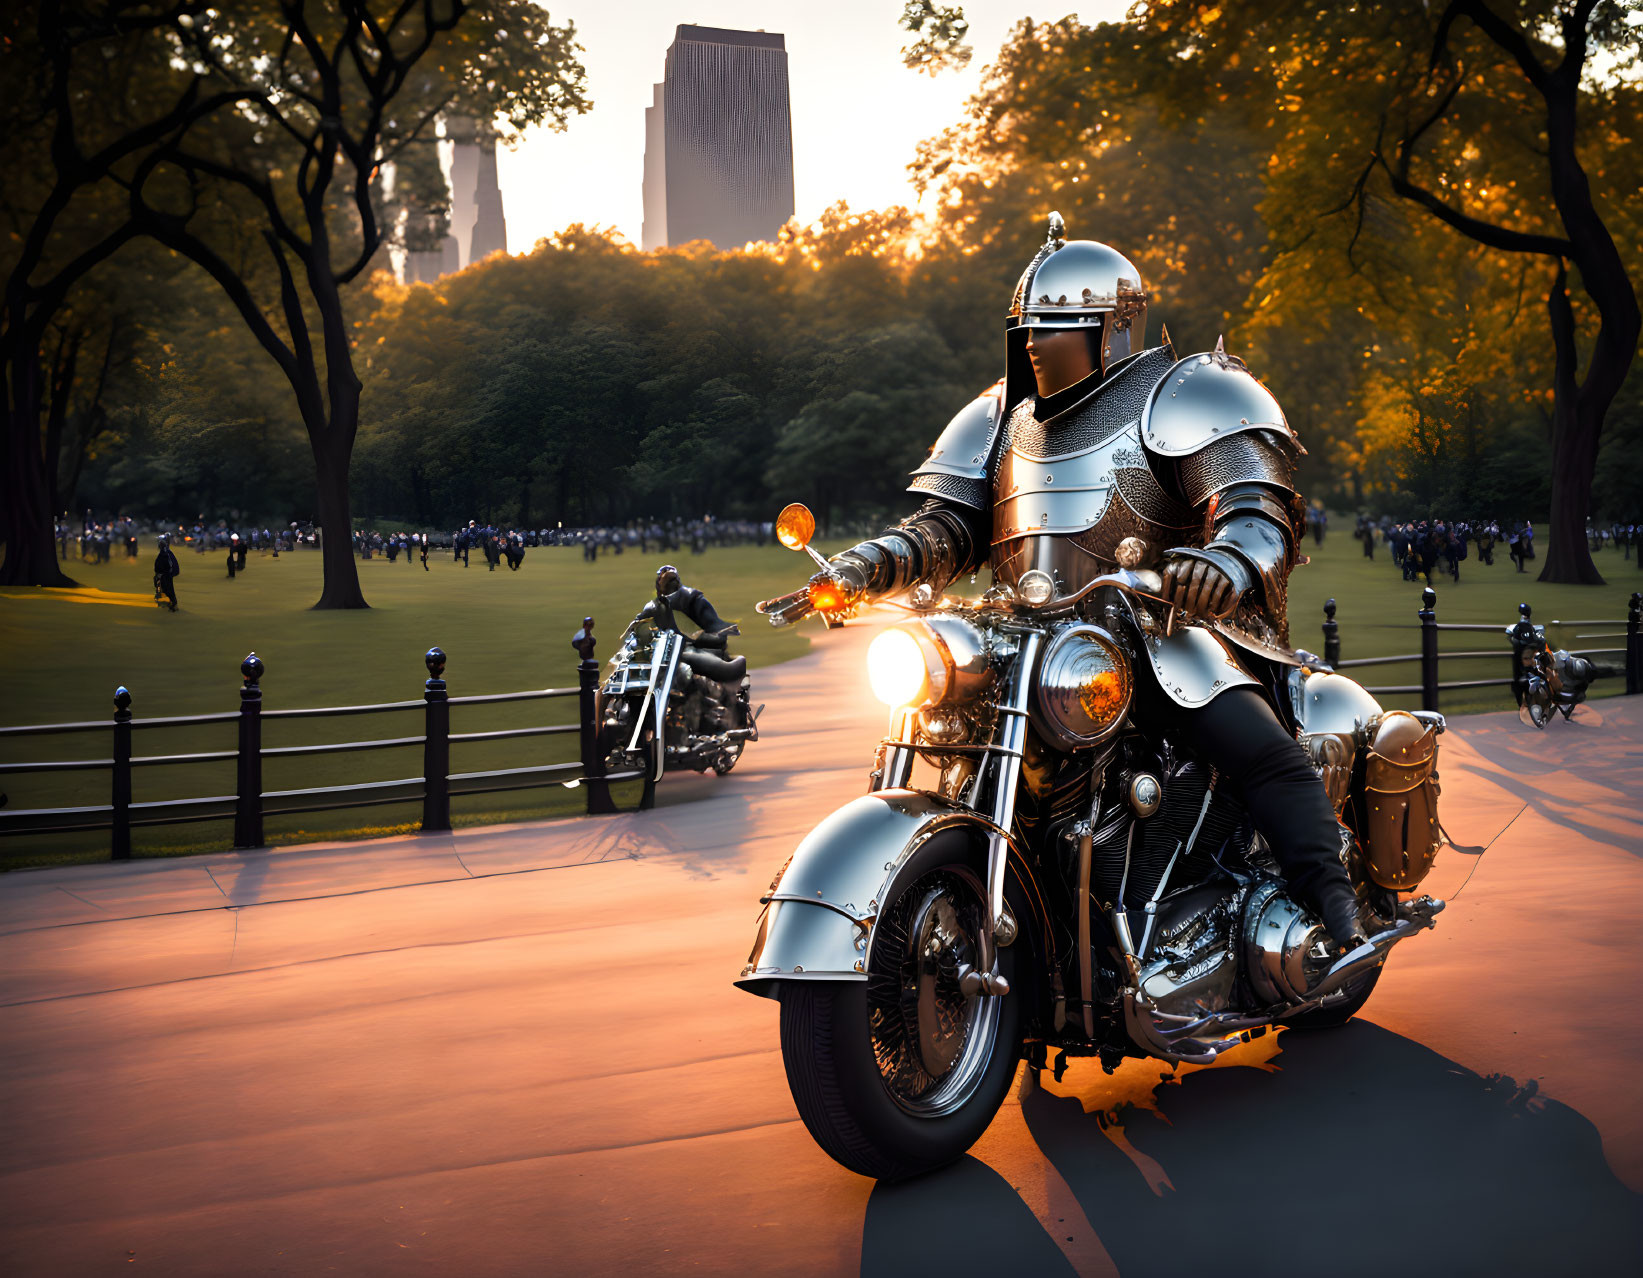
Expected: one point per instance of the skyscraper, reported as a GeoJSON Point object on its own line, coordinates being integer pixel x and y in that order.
{"type": "Point", "coordinates": [478, 226]}
{"type": "Point", "coordinates": [719, 140]}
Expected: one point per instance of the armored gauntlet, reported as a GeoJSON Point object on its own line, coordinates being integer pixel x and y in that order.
{"type": "Point", "coordinates": [934, 546]}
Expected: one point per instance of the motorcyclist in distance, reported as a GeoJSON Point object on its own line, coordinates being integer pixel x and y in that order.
{"type": "Point", "coordinates": [705, 652]}
{"type": "Point", "coordinates": [673, 596]}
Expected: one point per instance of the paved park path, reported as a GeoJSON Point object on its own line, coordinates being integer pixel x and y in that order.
{"type": "Point", "coordinates": [516, 1050]}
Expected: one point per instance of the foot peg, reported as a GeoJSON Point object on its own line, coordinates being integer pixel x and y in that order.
{"type": "Point", "coordinates": [973, 982]}
{"type": "Point", "coordinates": [1413, 917]}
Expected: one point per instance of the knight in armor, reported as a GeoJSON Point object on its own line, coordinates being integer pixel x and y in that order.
{"type": "Point", "coordinates": [1095, 452]}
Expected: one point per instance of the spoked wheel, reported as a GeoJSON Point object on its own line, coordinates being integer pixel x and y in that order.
{"type": "Point", "coordinates": [902, 1073]}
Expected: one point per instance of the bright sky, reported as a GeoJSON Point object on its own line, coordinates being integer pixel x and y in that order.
{"type": "Point", "coordinates": [858, 113]}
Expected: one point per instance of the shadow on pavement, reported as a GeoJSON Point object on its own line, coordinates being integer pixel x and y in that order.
{"type": "Point", "coordinates": [1361, 1153]}
{"type": "Point", "coordinates": [964, 1219]}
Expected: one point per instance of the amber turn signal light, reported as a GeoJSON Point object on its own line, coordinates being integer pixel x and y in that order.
{"type": "Point", "coordinates": [825, 597]}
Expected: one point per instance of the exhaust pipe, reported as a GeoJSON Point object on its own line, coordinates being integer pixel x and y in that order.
{"type": "Point", "coordinates": [1184, 1039]}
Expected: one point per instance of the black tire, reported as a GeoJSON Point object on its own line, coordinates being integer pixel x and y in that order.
{"type": "Point", "coordinates": [832, 1071]}
{"type": "Point", "coordinates": [1338, 1014]}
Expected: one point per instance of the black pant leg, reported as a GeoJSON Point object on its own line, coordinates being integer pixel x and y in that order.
{"type": "Point", "coordinates": [1241, 737]}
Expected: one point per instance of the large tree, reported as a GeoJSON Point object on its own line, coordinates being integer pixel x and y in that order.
{"type": "Point", "coordinates": [1550, 45]}
{"type": "Point", "coordinates": [84, 89]}
{"type": "Point", "coordinates": [270, 184]}
{"type": "Point", "coordinates": [1492, 123]}
{"type": "Point", "coordinates": [337, 90]}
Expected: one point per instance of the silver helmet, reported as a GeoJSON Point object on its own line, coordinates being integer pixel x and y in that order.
{"type": "Point", "coordinates": [1081, 284]}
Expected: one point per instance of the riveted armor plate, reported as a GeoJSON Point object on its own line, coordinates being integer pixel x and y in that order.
{"type": "Point", "coordinates": [1194, 667]}
{"type": "Point", "coordinates": [965, 445]}
{"type": "Point", "coordinates": [1203, 398]}
{"type": "Point", "coordinates": [1069, 489]}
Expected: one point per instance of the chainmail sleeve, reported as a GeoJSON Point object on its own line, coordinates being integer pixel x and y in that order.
{"type": "Point", "coordinates": [938, 543]}
{"type": "Point", "coordinates": [1244, 484]}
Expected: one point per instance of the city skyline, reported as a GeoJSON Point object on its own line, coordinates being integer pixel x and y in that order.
{"type": "Point", "coordinates": [857, 113]}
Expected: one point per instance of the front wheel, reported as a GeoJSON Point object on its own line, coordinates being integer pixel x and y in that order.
{"type": "Point", "coordinates": [902, 1073]}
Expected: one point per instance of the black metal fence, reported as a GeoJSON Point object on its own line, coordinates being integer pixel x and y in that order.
{"type": "Point", "coordinates": [1430, 686]}
{"type": "Point", "coordinates": [250, 804]}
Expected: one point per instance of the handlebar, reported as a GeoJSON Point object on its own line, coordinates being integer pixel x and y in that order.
{"type": "Point", "coordinates": [785, 610]}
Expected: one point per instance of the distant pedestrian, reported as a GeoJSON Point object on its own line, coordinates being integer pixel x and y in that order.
{"type": "Point", "coordinates": [166, 572]}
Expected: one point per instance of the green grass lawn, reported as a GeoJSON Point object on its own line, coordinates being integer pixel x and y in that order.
{"type": "Point", "coordinates": [65, 652]}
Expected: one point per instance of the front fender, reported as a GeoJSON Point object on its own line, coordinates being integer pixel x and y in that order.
{"type": "Point", "coordinates": [820, 911]}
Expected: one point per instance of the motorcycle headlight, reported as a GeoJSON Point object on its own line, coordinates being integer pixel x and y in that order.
{"type": "Point", "coordinates": [905, 668]}
{"type": "Point", "coordinates": [1083, 687]}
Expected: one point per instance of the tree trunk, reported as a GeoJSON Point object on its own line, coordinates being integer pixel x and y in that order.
{"type": "Point", "coordinates": [25, 496]}
{"type": "Point", "coordinates": [1574, 461]}
{"type": "Point", "coordinates": [1578, 411]}
{"type": "Point", "coordinates": [335, 514]}
{"type": "Point", "coordinates": [1574, 453]}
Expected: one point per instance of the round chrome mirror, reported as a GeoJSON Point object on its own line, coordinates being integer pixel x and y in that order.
{"type": "Point", "coordinates": [795, 526]}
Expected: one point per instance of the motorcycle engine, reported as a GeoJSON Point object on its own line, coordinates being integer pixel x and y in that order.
{"type": "Point", "coordinates": [1207, 934]}
{"type": "Point", "coordinates": [1133, 852]}
{"type": "Point", "coordinates": [1286, 949]}
{"type": "Point", "coordinates": [1193, 963]}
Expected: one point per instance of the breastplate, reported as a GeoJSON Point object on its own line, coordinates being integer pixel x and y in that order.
{"type": "Point", "coordinates": [1066, 491]}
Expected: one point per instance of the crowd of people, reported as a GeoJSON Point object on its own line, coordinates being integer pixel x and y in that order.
{"type": "Point", "coordinates": [95, 541]}
{"type": "Point", "coordinates": [668, 535]}
{"type": "Point", "coordinates": [502, 544]}
{"type": "Point", "coordinates": [1421, 547]}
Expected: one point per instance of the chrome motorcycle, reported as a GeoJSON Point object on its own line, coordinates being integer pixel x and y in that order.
{"type": "Point", "coordinates": [668, 701]}
{"type": "Point", "coordinates": [1545, 681]}
{"type": "Point", "coordinates": [1034, 869]}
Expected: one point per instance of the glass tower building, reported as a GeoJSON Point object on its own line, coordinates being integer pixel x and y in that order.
{"type": "Point", "coordinates": [719, 140]}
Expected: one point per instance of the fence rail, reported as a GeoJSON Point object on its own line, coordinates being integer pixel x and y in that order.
{"type": "Point", "coordinates": [1429, 657]}
{"type": "Point", "coordinates": [251, 804]}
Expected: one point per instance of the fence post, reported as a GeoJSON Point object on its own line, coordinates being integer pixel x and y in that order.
{"type": "Point", "coordinates": [248, 806]}
{"type": "Point", "coordinates": [1332, 636]}
{"type": "Point", "coordinates": [1634, 644]}
{"type": "Point", "coordinates": [1429, 649]}
{"type": "Point", "coordinates": [121, 850]}
{"type": "Point", "coordinates": [436, 745]}
{"type": "Point", "coordinates": [593, 763]}
{"type": "Point", "coordinates": [1521, 636]}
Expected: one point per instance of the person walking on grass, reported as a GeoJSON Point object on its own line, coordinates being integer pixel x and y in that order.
{"type": "Point", "coordinates": [166, 572]}
{"type": "Point", "coordinates": [1522, 544]}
